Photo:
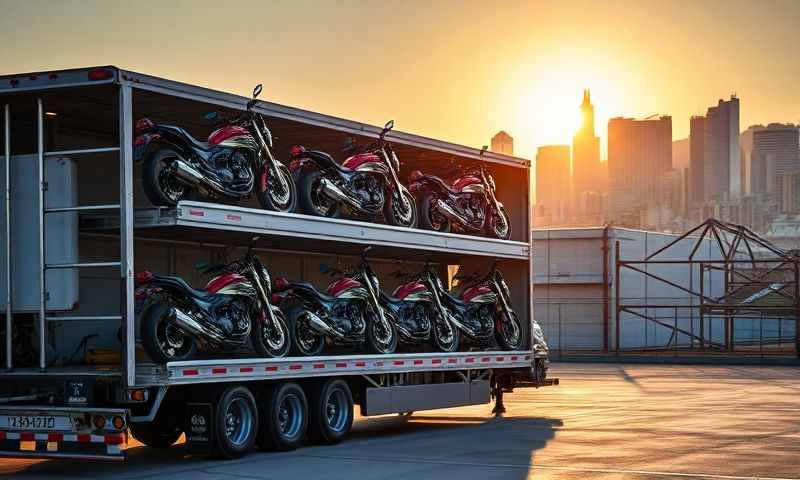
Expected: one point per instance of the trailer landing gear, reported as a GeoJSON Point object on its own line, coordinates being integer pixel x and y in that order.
{"type": "Point", "coordinates": [497, 393]}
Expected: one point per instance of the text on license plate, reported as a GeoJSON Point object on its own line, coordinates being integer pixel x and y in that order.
{"type": "Point", "coordinates": [28, 422]}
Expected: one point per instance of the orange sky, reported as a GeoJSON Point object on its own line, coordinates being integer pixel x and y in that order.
{"type": "Point", "coordinates": [457, 70]}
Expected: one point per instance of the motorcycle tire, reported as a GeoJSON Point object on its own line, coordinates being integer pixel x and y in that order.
{"type": "Point", "coordinates": [493, 229]}
{"type": "Point", "coordinates": [155, 328]}
{"type": "Point", "coordinates": [330, 411]}
{"type": "Point", "coordinates": [392, 218]}
{"type": "Point", "coordinates": [374, 345]}
{"type": "Point", "coordinates": [308, 199]}
{"type": "Point", "coordinates": [235, 409]}
{"type": "Point", "coordinates": [152, 184]}
{"type": "Point", "coordinates": [299, 346]}
{"type": "Point", "coordinates": [262, 347]}
{"type": "Point", "coordinates": [502, 337]}
{"type": "Point", "coordinates": [442, 345]}
{"type": "Point", "coordinates": [265, 193]}
{"type": "Point", "coordinates": [427, 215]}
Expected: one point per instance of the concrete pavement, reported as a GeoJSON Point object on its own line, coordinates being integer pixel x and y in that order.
{"type": "Point", "coordinates": [605, 421]}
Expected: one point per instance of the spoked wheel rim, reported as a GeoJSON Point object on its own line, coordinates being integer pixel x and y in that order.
{"type": "Point", "coordinates": [239, 420]}
{"type": "Point", "coordinates": [336, 410]}
{"type": "Point", "coordinates": [402, 209]}
{"type": "Point", "coordinates": [436, 219]}
{"type": "Point", "coordinates": [290, 416]}
{"type": "Point", "coordinates": [500, 225]}
{"type": "Point", "coordinates": [445, 334]}
{"type": "Point", "coordinates": [278, 189]}
{"type": "Point", "coordinates": [305, 337]}
{"type": "Point", "coordinates": [172, 189]}
{"type": "Point", "coordinates": [510, 330]}
{"type": "Point", "coordinates": [323, 205]}
{"type": "Point", "coordinates": [384, 336]}
{"type": "Point", "coordinates": [274, 337]}
{"type": "Point", "coordinates": [172, 341]}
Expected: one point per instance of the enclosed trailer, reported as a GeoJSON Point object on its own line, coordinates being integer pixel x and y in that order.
{"type": "Point", "coordinates": [77, 226]}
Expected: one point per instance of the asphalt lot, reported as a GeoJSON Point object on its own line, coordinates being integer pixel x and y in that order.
{"type": "Point", "coordinates": [604, 421]}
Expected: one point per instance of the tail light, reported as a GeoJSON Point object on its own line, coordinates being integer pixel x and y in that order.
{"type": "Point", "coordinates": [100, 74]}
{"type": "Point", "coordinates": [415, 175]}
{"type": "Point", "coordinates": [143, 125]}
{"type": "Point", "coordinates": [143, 277]}
{"type": "Point", "coordinates": [297, 150]}
{"type": "Point", "coordinates": [281, 283]}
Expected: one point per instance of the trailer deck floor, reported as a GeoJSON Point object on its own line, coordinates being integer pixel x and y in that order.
{"type": "Point", "coordinates": [603, 422]}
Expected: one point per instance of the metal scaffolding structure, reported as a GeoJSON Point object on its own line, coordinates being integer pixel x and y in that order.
{"type": "Point", "coordinates": [759, 282]}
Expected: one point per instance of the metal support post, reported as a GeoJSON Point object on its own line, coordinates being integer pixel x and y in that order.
{"type": "Point", "coordinates": [126, 231]}
{"type": "Point", "coordinates": [42, 266]}
{"type": "Point", "coordinates": [616, 296]}
{"type": "Point", "coordinates": [7, 193]}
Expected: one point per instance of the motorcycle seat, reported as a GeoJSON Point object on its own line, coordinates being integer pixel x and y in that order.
{"type": "Point", "coordinates": [307, 286]}
{"type": "Point", "coordinates": [205, 146]}
{"type": "Point", "coordinates": [455, 300]}
{"type": "Point", "coordinates": [391, 299]}
{"type": "Point", "coordinates": [182, 285]}
{"type": "Point", "coordinates": [445, 185]}
{"type": "Point", "coordinates": [327, 159]}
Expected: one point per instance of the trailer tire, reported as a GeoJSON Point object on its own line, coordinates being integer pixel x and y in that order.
{"type": "Point", "coordinates": [160, 433]}
{"type": "Point", "coordinates": [330, 414]}
{"type": "Point", "coordinates": [284, 417]}
{"type": "Point", "coordinates": [235, 422]}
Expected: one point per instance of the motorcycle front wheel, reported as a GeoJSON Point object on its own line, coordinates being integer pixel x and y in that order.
{"type": "Point", "coordinates": [499, 225]}
{"type": "Point", "coordinates": [380, 339]}
{"type": "Point", "coordinates": [508, 331]}
{"type": "Point", "coordinates": [446, 336]}
{"type": "Point", "coordinates": [162, 339]}
{"type": "Point", "coordinates": [401, 210]}
{"type": "Point", "coordinates": [160, 184]}
{"type": "Point", "coordinates": [312, 200]}
{"type": "Point", "coordinates": [429, 217]}
{"type": "Point", "coordinates": [268, 340]}
{"type": "Point", "coordinates": [276, 194]}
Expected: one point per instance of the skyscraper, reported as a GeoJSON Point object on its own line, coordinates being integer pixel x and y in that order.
{"type": "Point", "coordinates": [776, 151]}
{"type": "Point", "coordinates": [552, 183]}
{"type": "Point", "coordinates": [639, 160]}
{"type": "Point", "coordinates": [722, 168]}
{"type": "Point", "coordinates": [697, 129]}
{"type": "Point", "coordinates": [503, 143]}
{"type": "Point", "coordinates": [746, 146]}
{"type": "Point", "coordinates": [585, 155]}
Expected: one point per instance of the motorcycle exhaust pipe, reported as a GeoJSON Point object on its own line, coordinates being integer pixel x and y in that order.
{"type": "Point", "coordinates": [449, 213]}
{"type": "Point", "coordinates": [318, 325]}
{"type": "Point", "coordinates": [188, 174]}
{"type": "Point", "coordinates": [191, 326]}
{"type": "Point", "coordinates": [337, 194]}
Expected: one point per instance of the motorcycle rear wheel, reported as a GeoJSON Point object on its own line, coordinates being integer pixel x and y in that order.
{"type": "Point", "coordinates": [304, 341]}
{"type": "Point", "coordinates": [429, 217]}
{"type": "Point", "coordinates": [161, 187]}
{"type": "Point", "coordinates": [162, 340]}
{"type": "Point", "coordinates": [311, 199]}
{"type": "Point", "coordinates": [272, 197]}
{"type": "Point", "coordinates": [271, 347]}
{"type": "Point", "coordinates": [508, 332]}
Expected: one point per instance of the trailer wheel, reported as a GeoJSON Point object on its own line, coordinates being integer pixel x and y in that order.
{"type": "Point", "coordinates": [284, 417]}
{"type": "Point", "coordinates": [235, 422]}
{"type": "Point", "coordinates": [162, 432]}
{"type": "Point", "coordinates": [331, 412]}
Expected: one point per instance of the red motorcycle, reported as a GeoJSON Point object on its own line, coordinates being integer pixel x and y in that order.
{"type": "Point", "coordinates": [234, 163]}
{"type": "Point", "coordinates": [468, 204]}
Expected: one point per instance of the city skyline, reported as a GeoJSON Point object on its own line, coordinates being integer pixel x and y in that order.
{"type": "Point", "coordinates": [514, 68]}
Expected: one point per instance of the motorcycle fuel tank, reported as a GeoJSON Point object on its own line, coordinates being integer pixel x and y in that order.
{"type": "Point", "coordinates": [342, 285]}
{"type": "Point", "coordinates": [407, 289]}
{"type": "Point", "coordinates": [464, 183]}
{"type": "Point", "coordinates": [228, 132]}
{"type": "Point", "coordinates": [472, 293]}
{"type": "Point", "coordinates": [359, 159]}
{"type": "Point", "coordinates": [218, 284]}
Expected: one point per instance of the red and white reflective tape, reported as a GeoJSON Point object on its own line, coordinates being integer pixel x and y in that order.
{"type": "Point", "coordinates": [115, 443]}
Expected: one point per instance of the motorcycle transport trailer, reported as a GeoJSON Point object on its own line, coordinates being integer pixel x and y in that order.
{"type": "Point", "coordinates": [76, 227]}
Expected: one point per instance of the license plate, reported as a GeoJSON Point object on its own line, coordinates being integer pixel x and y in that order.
{"type": "Point", "coordinates": [34, 422]}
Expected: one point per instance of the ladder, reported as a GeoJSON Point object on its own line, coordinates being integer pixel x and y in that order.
{"type": "Point", "coordinates": [125, 209]}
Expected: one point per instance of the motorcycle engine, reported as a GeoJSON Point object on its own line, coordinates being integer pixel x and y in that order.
{"type": "Point", "coordinates": [232, 166]}
{"type": "Point", "coordinates": [368, 188]}
{"type": "Point", "coordinates": [234, 317]}
{"type": "Point", "coordinates": [348, 318]}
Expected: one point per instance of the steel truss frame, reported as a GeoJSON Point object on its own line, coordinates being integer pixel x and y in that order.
{"type": "Point", "coordinates": [752, 269]}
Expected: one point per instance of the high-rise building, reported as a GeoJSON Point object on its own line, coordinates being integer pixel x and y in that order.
{"type": "Point", "coordinates": [697, 129]}
{"type": "Point", "coordinates": [746, 147]}
{"type": "Point", "coordinates": [775, 151]}
{"type": "Point", "coordinates": [722, 167]}
{"type": "Point", "coordinates": [503, 143]}
{"type": "Point", "coordinates": [639, 158]}
{"type": "Point", "coordinates": [791, 191]}
{"type": "Point", "coordinates": [552, 184]}
{"type": "Point", "coordinates": [585, 156]}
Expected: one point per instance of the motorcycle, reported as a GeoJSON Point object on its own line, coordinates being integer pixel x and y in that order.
{"type": "Point", "coordinates": [233, 308]}
{"type": "Point", "coordinates": [349, 313]}
{"type": "Point", "coordinates": [468, 204]}
{"type": "Point", "coordinates": [366, 184]}
{"type": "Point", "coordinates": [411, 309]}
{"type": "Point", "coordinates": [482, 312]}
{"type": "Point", "coordinates": [234, 163]}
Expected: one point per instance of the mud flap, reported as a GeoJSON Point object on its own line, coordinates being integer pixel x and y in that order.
{"type": "Point", "coordinates": [200, 425]}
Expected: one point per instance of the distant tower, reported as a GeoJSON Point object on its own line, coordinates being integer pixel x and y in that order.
{"type": "Point", "coordinates": [586, 171]}
{"type": "Point", "coordinates": [503, 143]}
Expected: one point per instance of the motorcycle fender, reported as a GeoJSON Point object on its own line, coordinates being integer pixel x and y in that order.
{"type": "Point", "coordinates": [142, 143]}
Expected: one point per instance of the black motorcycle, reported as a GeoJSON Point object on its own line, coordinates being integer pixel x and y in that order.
{"type": "Point", "coordinates": [349, 313]}
{"type": "Point", "coordinates": [468, 204]}
{"type": "Point", "coordinates": [411, 309]}
{"type": "Point", "coordinates": [475, 312]}
{"type": "Point", "coordinates": [232, 309]}
{"type": "Point", "coordinates": [365, 185]}
{"type": "Point", "coordinates": [234, 163]}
